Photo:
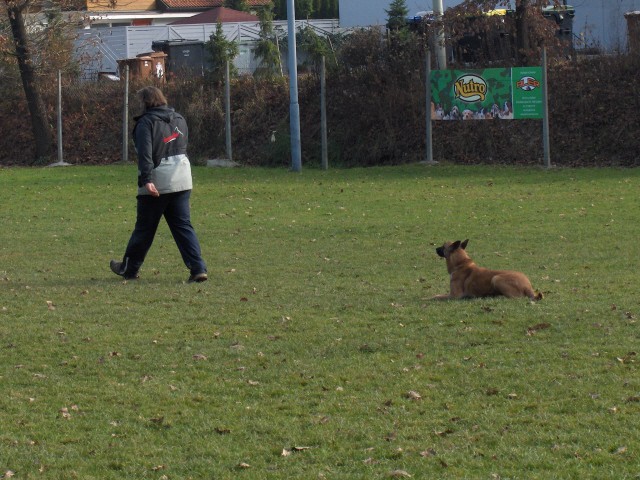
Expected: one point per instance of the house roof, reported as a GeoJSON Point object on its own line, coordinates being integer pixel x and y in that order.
{"type": "Point", "coordinates": [217, 15]}
{"type": "Point", "coordinates": [199, 5]}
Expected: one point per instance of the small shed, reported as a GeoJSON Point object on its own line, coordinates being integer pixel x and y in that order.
{"type": "Point", "coordinates": [145, 66]}
{"type": "Point", "coordinates": [185, 57]}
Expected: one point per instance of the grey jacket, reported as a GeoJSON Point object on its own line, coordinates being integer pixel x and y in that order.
{"type": "Point", "coordinates": [160, 137]}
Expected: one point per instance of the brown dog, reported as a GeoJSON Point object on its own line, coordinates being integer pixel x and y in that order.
{"type": "Point", "coordinates": [470, 281]}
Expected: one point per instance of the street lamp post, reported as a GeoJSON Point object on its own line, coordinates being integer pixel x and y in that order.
{"type": "Point", "coordinates": [294, 107]}
{"type": "Point", "coordinates": [441, 51]}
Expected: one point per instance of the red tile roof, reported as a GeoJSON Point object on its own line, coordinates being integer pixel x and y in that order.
{"type": "Point", "coordinates": [191, 5]}
{"type": "Point", "coordinates": [217, 15]}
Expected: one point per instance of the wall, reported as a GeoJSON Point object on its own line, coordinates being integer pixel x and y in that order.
{"type": "Point", "coordinates": [127, 6]}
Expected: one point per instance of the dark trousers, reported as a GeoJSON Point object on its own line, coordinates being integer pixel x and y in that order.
{"type": "Point", "coordinates": [177, 212]}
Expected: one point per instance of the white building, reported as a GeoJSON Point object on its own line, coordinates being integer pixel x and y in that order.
{"type": "Point", "coordinates": [364, 13]}
{"type": "Point", "coordinates": [100, 49]}
{"type": "Point", "coordinates": [597, 22]}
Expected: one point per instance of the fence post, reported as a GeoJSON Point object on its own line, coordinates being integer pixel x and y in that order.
{"type": "Point", "coordinates": [227, 108]}
{"type": "Point", "coordinates": [60, 162]}
{"type": "Point", "coordinates": [545, 110]}
{"type": "Point", "coordinates": [125, 117]}
{"type": "Point", "coordinates": [60, 153]}
{"type": "Point", "coordinates": [323, 114]}
{"type": "Point", "coordinates": [429, 132]}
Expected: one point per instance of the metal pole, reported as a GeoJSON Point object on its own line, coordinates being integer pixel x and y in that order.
{"type": "Point", "coordinates": [323, 114]}
{"type": "Point", "coordinates": [441, 51]}
{"type": "Point", "coordinates": [545, 112]}
{"type": "Point", "coordinates": [279, 59]}
{"type": "Point", "coordinates": [294, 107]}
{"type": "Point", "coordinates": [125, 117]}
{"type": "Point", "coordinates": [227, 107]}
{"type": "Point", "coordinates": [429, 139]}
{"type": "Point", "coordinates": [60, 156]}
{"type": "Point", "coordinates": [60, 162]}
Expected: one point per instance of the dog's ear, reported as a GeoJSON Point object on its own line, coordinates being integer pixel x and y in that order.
{"type": "Point", "coordinates": [455, 245]}
{"type": "Point", "coordinates": [464, 244]}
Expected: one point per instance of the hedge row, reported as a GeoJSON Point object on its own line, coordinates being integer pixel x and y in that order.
{"type": "Point", "coordinates": [376, 116]}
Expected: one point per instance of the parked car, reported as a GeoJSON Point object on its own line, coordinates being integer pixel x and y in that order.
{"type": "Point", "coordinates": [420, 18]}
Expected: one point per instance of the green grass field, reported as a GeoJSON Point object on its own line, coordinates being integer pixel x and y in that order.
{"type": "Point", "coordinates": [314, 350]}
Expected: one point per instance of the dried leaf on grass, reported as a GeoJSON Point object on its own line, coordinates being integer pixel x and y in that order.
{"type": "Point", "coordinates": [287, 452]}
{"type": "Point", "coordinates": [628, 358]}
{"type": "Point", "coordinates": [429, 452]}
{"type": "Point", "coordinates": [399, 474]}
{"type": "Point", "coordinates": [413, 395]}
{"type": "Point", "coordinates": [536, 328]}
{"type": "Point", "coordinates": [66, 412]}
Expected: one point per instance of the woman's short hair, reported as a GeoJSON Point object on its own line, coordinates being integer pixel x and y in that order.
{"type": "Point", "coordinates": [152, 97]}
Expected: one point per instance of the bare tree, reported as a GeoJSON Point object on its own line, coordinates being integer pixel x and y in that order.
{"type": "Point", "coordinates": [42, 132]}
{"type": "Point", "coordinates": [522, 28]}
{"type": "Point", "coordinates": [41, 34]}
{"type": "Point", "coordinates": [530, 28]}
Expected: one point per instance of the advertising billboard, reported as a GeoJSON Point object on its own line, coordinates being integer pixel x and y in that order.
{"type": "Point", "coordinates": [487, 94]}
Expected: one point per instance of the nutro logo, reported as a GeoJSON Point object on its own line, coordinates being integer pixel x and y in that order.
{"type": "Point", "coordinates": [470, 88]}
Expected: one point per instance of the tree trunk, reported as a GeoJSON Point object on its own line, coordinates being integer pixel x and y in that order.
{"type": "Point", "coordinates": [40, 126]}
{"type": "Point", "coordinates": [522, 30]}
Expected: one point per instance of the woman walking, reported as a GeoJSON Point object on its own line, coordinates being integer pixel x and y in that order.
{"type": "Point", "coordinates": [160, 137]}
